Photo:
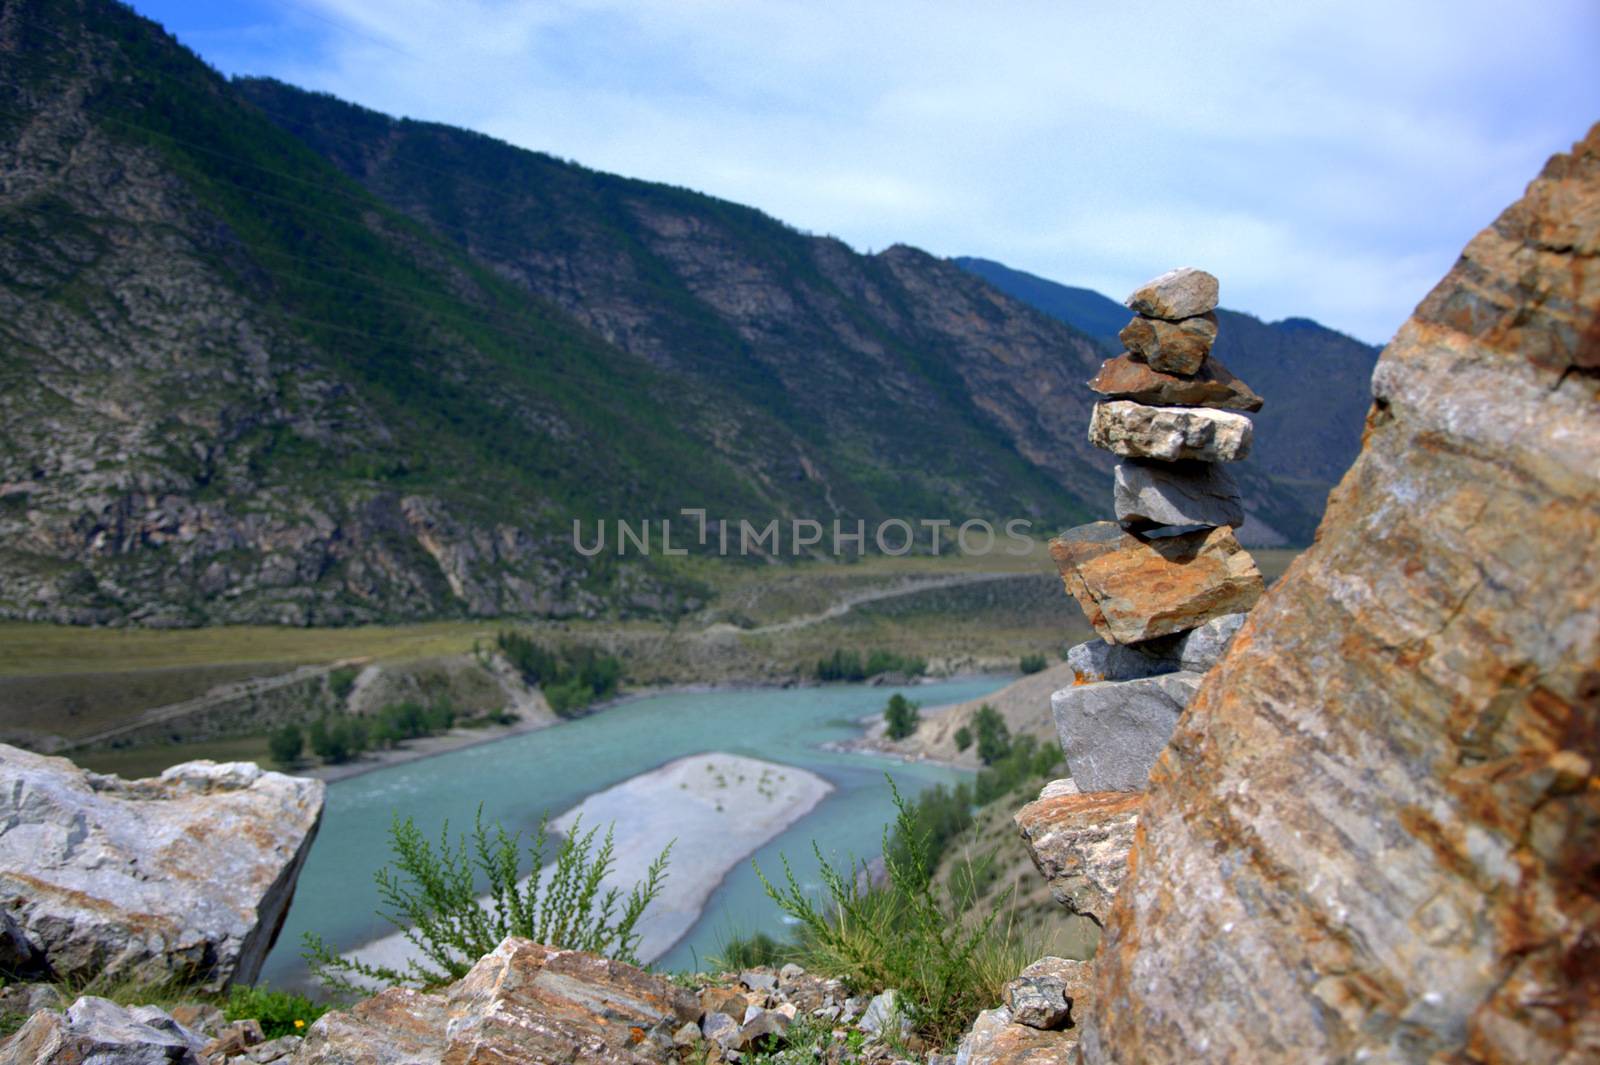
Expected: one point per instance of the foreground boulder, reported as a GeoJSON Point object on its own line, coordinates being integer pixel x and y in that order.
{"type": "Point", "coordinates": [1134, 588]}
{"type": "Point", "coordinates": [1040, 1021]}
{"type": "Point", "coordinates": [95, 1031]}
{"type": "Point", "coordinates": [1374, 835]}
{"type": "Point", "coordinates": [186, 876]}
{"type": "Point", "coordinates": [1080, 842]}
{"type": "Point", "coordinates": [522, 1002]}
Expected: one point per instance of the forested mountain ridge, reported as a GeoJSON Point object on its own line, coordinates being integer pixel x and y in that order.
{"type": "Point", "coordinates": [267, 356]}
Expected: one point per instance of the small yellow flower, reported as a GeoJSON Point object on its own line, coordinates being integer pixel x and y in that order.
{"type": "Point", "coordinates": [298, 1023]}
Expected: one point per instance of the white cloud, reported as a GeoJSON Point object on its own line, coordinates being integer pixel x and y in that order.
{"type": "Point", "coordinates": [1326, 160]}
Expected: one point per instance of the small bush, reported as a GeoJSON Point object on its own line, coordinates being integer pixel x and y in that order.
{"type": "Point", "coordinates": [905, 935]}
{"type": "Point", "coordinates": [336, 740]}
{"type": "Point", "coordinates": [571, 679]}
{"type": "Point", "coordinates": [901, 716]}
{"type": "Point", "coordinates": [433, 896]}
{"type": "Point", "coordinates": [342, 681]}
{"type": "Point", "coordinates": [845, 665]}
{"type": "Point", "coordinates": [1033, 663]}
{"type": "Point", "coordinates": [410, 720]}
{"type": "Point", "coordinates": [285, 745]}
{"type": "Point", "coordinates": [749, 952]}
{"type": "Point", "coordinates": [994, 738]}
{"type": "Point", "coordinates": [963, 738]}
{"type": "Point", "coordinates": [280, 1012]}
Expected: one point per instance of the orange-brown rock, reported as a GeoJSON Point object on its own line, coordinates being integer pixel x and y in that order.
{"type": "Point", "coordinates": [1134, 587]}
{"type": "Point", "coordinates": [1176, 347]}
{"type": "Point", "coordinates": [1125, 377]}
{"type": "Point", "coordinates": [1080, 842]}
{"type": "Point", "coordinates": [522, 1002]}
{"type": "Point", "coordinates": [1376, 833]}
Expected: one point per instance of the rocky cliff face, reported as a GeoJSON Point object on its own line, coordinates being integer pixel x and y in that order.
{"type": "Point", "coordinates": [1374, 834]}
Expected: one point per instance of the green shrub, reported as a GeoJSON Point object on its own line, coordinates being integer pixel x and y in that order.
{"type": "Point", "coordinates": [571, 679]}
{"type": "Point", "coordinates": [410, 720]}
{"type": "Point", "coordinates": [337, 740]}
{"type": "Point", "coordinates": [433, 896]}
{"type": "Point", "coordinates": [342, 681]}
{"type": "Point", "coordinates": [901, 716]}
{"type": "Point", "coordinates": [280, 1012]}
{"type": "Point", "coordinates": [994, 738]}
{"type": "Point", "coordinates": [1032, 663]}
{"type": "Point", "coordinates": [905, 934]}
{"type": "Point", "coordinates": [285, 745]}
{"type": "Point", "coordinates": [749, 952]}
{"type": "Point", "coordinates": [845, 665]}
{"type": "Point", "coordinates": [963, 738]}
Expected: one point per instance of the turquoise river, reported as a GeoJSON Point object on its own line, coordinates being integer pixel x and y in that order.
{"type": "Point", "coordinates": [518, 778]}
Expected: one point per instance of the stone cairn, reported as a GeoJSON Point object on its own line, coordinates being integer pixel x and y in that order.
{"type": "Point", "coordinates": [1166, 585]}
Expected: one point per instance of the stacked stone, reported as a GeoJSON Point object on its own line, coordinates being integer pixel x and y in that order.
{"type": "Point", "coordinates": [1166, 585]}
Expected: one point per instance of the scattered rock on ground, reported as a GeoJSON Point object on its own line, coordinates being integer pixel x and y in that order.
{"type": "Point", "coordinates": [1080, 842]}
{"type": "Point", "coordinates": [97, 1031]}
{"type": "Point", "coordinates": [1134, 430]}
{"type": "Point", "coordinates": [1181, 293]}
{"type": "Point", "coordinates": [1211, 385]}
{"type": "Point", "coordinates": [1049, 993]}
{"type": "Point", "coordinates": [183, 876]}
{"type": "Point", "coordinates": [522, 1002]}
{"type": "Point", "coordinates": [1135, 588]}
{"type": "Point", "coordinates": [996, 1040]}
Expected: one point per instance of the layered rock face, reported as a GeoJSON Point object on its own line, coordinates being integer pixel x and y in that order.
{"type": "Point", "coordinates": [186, 876]}
{"type": "Point", "coordinates": [1374, 834]}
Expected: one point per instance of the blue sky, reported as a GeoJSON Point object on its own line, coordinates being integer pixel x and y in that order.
{"type": "Point", "coordinates": [1327, 160]}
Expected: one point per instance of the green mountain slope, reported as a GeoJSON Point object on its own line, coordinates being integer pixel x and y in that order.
{"type": "Point", "coordinates": [268, 356]}
{"type": "Point", "coordinates": [1316, 381]}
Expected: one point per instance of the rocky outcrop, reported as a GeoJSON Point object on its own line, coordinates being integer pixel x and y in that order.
{"type": "Point", "coordinates": [186, 876]}
{"type": "Point", "coordinates": [1373, 836]}
{"type": "Point", "coordinates": [522, 1002]}
{"type": "Point", "coordinates": [1080, 842]}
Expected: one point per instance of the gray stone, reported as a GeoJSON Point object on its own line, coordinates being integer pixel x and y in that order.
{"type": "Point", "coordinates": [17, 954]}
{"type": "Point", "coordinates": [1196, 651]}
{"type": "Point", "coordinates": [763, 1030]}
{"type": "Point", "coordinates": [183, 876]}
{"type": "Point", "coordinates": [1148, 494]}
{"type": "Point", "coordinates": [759, 980]}
{"type": "Point", "coordinates": [687, 1035]}
{"type": "Point", "coordinates": [721, 1029]}
{"type": "Point", "coordinates": [1095, 660]}
{"type": "Point", "coordinates": [1170, 434]}
{"type": "Point", "coordinates": [273, 1050]}
{"type": "Point", "coordinates": [1202, 648]}
{"type": "Point", "coordinates": [28, 999]}
{"type": "Point", "coordinates": [884, 1010]}
{"type": "Point", "coordinates": [96, 1031]}
{"type": "Point", "coordinates": [790, 973]}
{"type": "Point", "coordinates": [1112, 732]}
{"type": "Point", "coordinates": [1181, 293]}
{"type": "Point", "coordinates": [1038, 1002]}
